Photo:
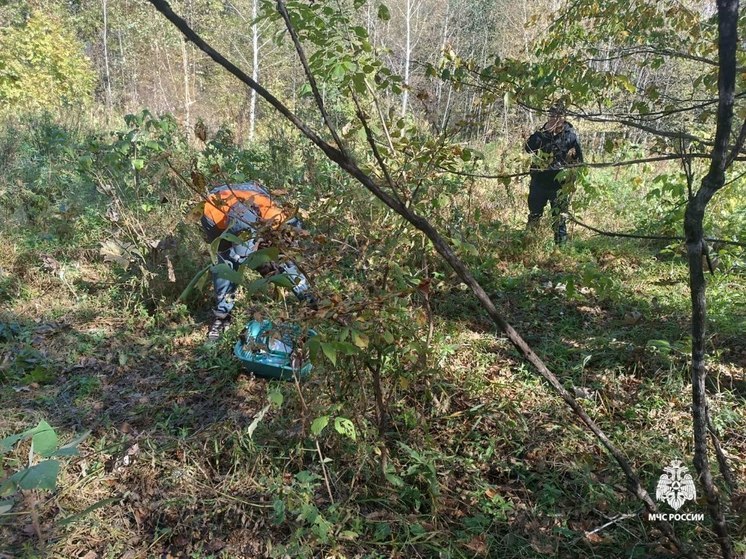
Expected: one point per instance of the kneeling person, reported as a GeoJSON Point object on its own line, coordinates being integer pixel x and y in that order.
{"type": "Point", "coordinates": [240, 209]}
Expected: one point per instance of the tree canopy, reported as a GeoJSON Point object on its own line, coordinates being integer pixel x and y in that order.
{"type": "Point", "coordinates": [42, 66]}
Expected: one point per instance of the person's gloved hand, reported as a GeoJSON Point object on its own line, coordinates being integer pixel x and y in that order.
{"type": "Point", "coordinates": [239, 253]}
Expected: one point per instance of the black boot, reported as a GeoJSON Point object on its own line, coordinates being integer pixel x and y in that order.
{"type": "Point", "coordinates": [533, 222]}
{"type": "Point", "coordinates": [219, 325]}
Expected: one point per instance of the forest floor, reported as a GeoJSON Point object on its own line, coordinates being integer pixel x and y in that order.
{"type": "Point", "coordinates": [481, 458]}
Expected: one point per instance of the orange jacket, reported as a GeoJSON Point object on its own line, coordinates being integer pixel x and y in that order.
{"type": "Point", "coordinates": [245, 203]}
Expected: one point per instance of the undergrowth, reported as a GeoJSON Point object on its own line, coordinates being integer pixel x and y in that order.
{"type": "Point", "coordinates": [420, 433]}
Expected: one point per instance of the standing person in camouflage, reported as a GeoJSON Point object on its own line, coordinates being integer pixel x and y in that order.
{"type": "Point", "coordinates": [555, 145]}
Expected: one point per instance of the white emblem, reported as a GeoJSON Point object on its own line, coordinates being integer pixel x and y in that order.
{"type": "Point", "coordinates": [676, 486]}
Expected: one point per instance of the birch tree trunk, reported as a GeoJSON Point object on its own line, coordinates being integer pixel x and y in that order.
{"type": "Point", "coordinates": [439, 90]}
{"type": "Point", "coordinates": [107, 73]}
{"type": "Point", "coordinates": [407, 56]}
{"type": "Point", "coordinates": [122, 69]}
{"type": "Point", "coordinates": [254, 68]}
{"type": "Point", "coordinates": [527, 50]}
{"type": "Point", "coordinates": [187, 97]}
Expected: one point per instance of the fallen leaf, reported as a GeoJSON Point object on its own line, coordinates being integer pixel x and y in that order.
{"type": "Point", "coordinates": [119, 253]}
{"type": "Point", "coordinates": [583, 393]}
{"type": "Point", "coordinates": [478, 544]}
{"type": "Point", "coordinates": [171, 273]}
{"type": "Point", "coordinates": [542, 545]}
{"type": "Point", "coordinates": [631, 318]}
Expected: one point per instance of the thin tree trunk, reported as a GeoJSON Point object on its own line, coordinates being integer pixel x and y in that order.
{"type": "Point", "coordinates": [254, 67]}
{"type": "Point", "coordinates": [165, 103]}
{"type": "Point", "coordinates": [369, 23]}
{"type": "Point", "coordinates": [505, 116]}
{"type": "Point", "coordinates": [696, 246]}
{"type": "Point", "coordinates": [439, 89]}
{"type": "Point", "coordinates": [107, 73]}
{"type": "Point", "coordinates": [134, 80]}
{"type": "Point", "coordinates": [194, 82]}
{"type": "Point", "coordinates": [527, 51]}
{"type": "Point", "coordinates": [187, 99]}
{"type": "Point", "coordinates": [123, 66]}
{"type": "Point", "coordinates": [447, 110]}
{"type": "Point", "coordinates": [484, 122]}
{"type": "Point", "coordinates": [407, 57]}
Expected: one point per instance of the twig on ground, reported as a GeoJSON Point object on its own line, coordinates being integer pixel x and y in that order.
{"type": "Point", "coordinates": [647, 237]}
{"type": "Point", "coordinates": [326, 474]}
{"type": "Point", "coordinates": [232, 497]}
{"type": "Point", "coordinates": [615, 520]}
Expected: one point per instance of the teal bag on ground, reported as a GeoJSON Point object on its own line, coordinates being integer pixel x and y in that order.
{"type": "Point", "coordinates": [267, 350]}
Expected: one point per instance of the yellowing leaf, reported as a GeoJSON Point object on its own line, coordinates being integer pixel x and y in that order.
{"type": "Point", "coordinates": [276, 397]}
{"type": "Point", "coordinates": [359, 339]}
{"type": "Point", "coordinates": [625, 82]}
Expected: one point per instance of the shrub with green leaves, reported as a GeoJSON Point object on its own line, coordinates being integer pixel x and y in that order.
{"type": "Point", "coordinates": [43, 462]}
{"type": "Point", "coordinates": [42, 66]}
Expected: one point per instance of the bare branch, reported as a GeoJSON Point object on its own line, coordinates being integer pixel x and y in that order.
{"type": "Point", "coordinates": [646, 128]}
{"type": "Point", "coordinates": [597, 165]}
{"type": "Point", "coordinates": [632, 123]}
{"type": "Point", "coordinates": [576, 221]}
{"type": "Point", "coordinates": [686, 106]}
{"type": "Point", "coordinates": [686, 164]}
{"type": "Point", "coordinates": [380, 114]}
{"type": "Point", "coordinates": [372, 143]}
{"type": "Point", "coordinates": [311, 79]}
{"type": "Point", "coordinates": [625, 53]}
{"type": "Point", "coordinates": [738, 146]}
{"type": "Point", "coordinates": [725, 470]}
